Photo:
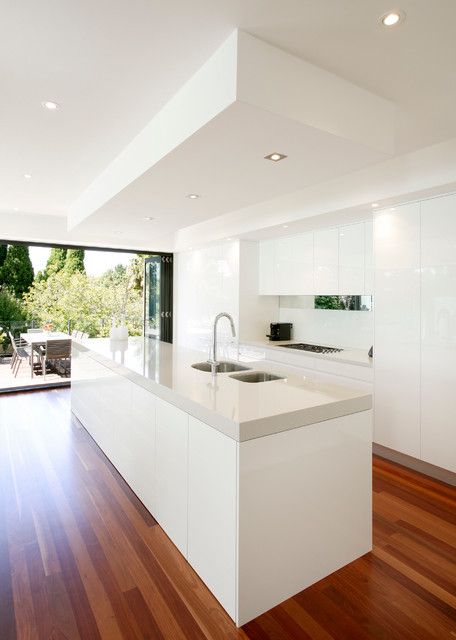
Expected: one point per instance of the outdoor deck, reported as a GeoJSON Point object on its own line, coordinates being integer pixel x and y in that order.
{"type": "Point", "coordinates": [23, 380]}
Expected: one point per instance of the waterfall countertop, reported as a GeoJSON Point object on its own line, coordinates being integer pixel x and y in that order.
{"type": "Point", "coordinates": [240, 410]}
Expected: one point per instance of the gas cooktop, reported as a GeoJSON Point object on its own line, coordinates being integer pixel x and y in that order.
{"type": "Point", "coordinates": [315, 348]}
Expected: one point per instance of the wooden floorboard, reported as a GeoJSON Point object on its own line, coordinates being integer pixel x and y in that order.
{"type": "Point", "coordinates": [82, 559]}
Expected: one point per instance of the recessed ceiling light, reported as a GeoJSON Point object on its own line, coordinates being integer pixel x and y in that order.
{"type": "Point", "coordinates": [285, 226]}
{"type": "Point", "coordinates": [27, 176]}
{"type": "Point", "coordinates": [148, 218]}
{"type": "Point", "coordinates": [16, 209]}
{"type": "Point", "coordinates": [374, 205]}
{"type": "Point", "coordinates": [275, 157]}
{"type": "Point", "coordinates": [193, 196]}
{"type": "Point", "coordinates": [392, 18]}
{"type": "Point", "coordinates": [50, 105]}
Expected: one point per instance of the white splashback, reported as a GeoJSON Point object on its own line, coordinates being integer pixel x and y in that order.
{"type": "Point", "coordinates": [207, 283]}
{"type": "Point", "coordinates": [323, 326]}
{"type": "Point", "coordinates": [220, 277]}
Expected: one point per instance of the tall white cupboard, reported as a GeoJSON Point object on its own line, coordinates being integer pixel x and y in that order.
{"type": "Point", "coordinates": [415, 330]}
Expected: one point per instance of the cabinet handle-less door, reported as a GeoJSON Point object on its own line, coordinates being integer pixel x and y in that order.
{"type": "Point", "coordinates": [438, 331]}
{"type": "Point", "coordinates": [171, 472]}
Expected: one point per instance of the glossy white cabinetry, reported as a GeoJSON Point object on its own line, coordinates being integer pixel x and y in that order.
{"type": "Point", "coordinates": [258, 520]}
{"type": "Point", "coordinates": [212, 480]}
{"type": "Point", "coordinates": [351, 259]}
{"type": "Point", "coordinates": [138, 439]}
{"type": "Point", "coordinates": [438, 332]}
{"type": "Point", "coordinates": [329, 261]}
{"type": "Point", "coordinates": [306, 489]}
{"type": "Point", "coordinates": [397, 329]}
{"type": "Point", "coordinates": [294, 264]}
{"type": "Point", "coordinates": [267, 270]}
{"type": "Point", "coordinates": [326, 261]}
{"type": "Point", "coordinates": [368, 257]}
{"type": "Point", "coordinates": [172, 472]}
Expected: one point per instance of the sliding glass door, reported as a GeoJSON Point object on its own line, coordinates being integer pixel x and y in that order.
{"type": "Point", "coordinates": [158, 297]}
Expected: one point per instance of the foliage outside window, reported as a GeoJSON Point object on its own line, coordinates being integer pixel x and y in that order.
{"type": "Point", "coordinates": [344, 303]}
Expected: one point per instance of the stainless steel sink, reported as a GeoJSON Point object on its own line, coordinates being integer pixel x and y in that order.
{"type": "Point", "coordinates": [222, 367]}
{"type": "Point", "coordinates": [256, 376]}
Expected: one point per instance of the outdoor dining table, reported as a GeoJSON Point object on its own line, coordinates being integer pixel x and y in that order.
{"type": "Point", "coordinates": [38, 339]}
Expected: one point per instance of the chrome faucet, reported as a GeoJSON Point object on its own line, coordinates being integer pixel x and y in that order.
{"type": "Point", "coordinates": [213, 361]}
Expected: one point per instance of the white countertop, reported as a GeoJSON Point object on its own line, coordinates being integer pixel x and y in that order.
{"type": "Point", "coordinates": [347, 355]}
{"type": "Point", "coordinates": [240, 410]}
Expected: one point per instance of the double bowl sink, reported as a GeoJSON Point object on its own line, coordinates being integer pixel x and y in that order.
{"type": "Point", "coordinates": [245, 374]}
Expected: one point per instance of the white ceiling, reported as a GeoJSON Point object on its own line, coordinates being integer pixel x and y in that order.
{"type": "Point", "coordinates": [113, 64]}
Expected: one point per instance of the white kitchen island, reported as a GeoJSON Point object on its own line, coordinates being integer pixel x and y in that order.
{"type": "Point", "coordinates": [265, 487]}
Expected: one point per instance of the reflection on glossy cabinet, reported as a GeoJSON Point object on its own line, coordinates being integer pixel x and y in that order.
{"type": "Point", "coordinates": [438, 331]}
{"type": "Point", "coordinates": [212, 511]}
{"type": "Point", "coordinates": [172, 472]}
{"type": "Point", "coordinates": [397, 329]}
{"type": "Point", "coordinates": [326, 262]}
{"type": "Point", "coordinates": [351, 259]}
{"type": "Point", "coordinates": [268, 268]}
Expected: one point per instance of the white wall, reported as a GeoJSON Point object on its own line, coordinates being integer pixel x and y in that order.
{"type": "Point", "coordinates": [345, 328]}
{"type": "Point", "coordinates": [207, 282]}
{"type": "Point", "coordinates": [220, 277]}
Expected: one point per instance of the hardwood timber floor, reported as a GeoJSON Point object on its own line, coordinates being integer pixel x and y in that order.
{"type": "Point", "coordinates": [81, 558]}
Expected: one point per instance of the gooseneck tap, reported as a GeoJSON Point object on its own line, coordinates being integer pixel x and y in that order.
{"type": "Point", "coordinates": [213, 361]}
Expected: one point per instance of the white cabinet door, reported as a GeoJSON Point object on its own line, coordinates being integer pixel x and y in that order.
{"type": "Point", "coordinates": [368, 258]}
{"type": "Point", "coordinates": [351, 259]}
{"type": "Point", "coordinates": [171, 472]}
{"type": "Point", "coordinates": [438, 332]}
{"type": "Point", "coordinates": [326, 261]}
{"type": "Point", "coordinates": [212, 521]}
{"type": "Point", "coordinates": [294, 260]}
{"type": "Point", "coordinates": [137, 446]}
{"type": "Point", "coordinates": [268, 268]}
{"type": "Point", "coordinates": [397, 329]}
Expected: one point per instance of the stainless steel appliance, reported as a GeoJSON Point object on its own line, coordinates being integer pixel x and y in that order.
{"type": "Point", "coordinates": [315, 348]}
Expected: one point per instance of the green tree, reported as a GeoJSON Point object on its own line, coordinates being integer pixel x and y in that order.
{"type": "Point", "coordinates": [74, 262]}
{"type": "Point", "coordinates": [17, 270]}
{"type": "Point", "coordinates": [11, 309]}
{"type": "Point", "coordinates": [328, 302]}
{"type": "Point", "coordinates": [88, 302]}
{"type": "Point", "coordinates": [55, 263]}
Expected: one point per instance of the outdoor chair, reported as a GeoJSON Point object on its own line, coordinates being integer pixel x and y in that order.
{"type": "Point", "coordinates": [19, 354]}
{"type": "Point", "coordinates": [58, 354]}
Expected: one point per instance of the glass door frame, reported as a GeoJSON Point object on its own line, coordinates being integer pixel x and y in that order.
{"type": "Point", "coordinates": [165, 312]}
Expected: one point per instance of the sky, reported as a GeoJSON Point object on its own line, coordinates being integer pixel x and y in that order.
{"type": "Point", "coordinates": [96, 262]}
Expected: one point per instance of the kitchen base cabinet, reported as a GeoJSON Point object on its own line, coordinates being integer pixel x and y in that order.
{"type": "Point", "coordinates": [172, 472]}
{"type": "Point", "coordinates": [212, 484]}
{"type": "Point", "coordinates": [259, 520]}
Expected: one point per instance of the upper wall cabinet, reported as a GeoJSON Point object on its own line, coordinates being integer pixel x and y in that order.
{"type": "Point", "coordinates": [294, 264]}
{"type": "Point", "coordinates": [267, 271]}
{"type": "Point", "coordinates": [351, 259]}
{"type": "Point", "coordinates": [368, 257]}
{"type": "Point", "coordinates": [329, 261]}
{"type": "Point", "coordinates": [326, 261]}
